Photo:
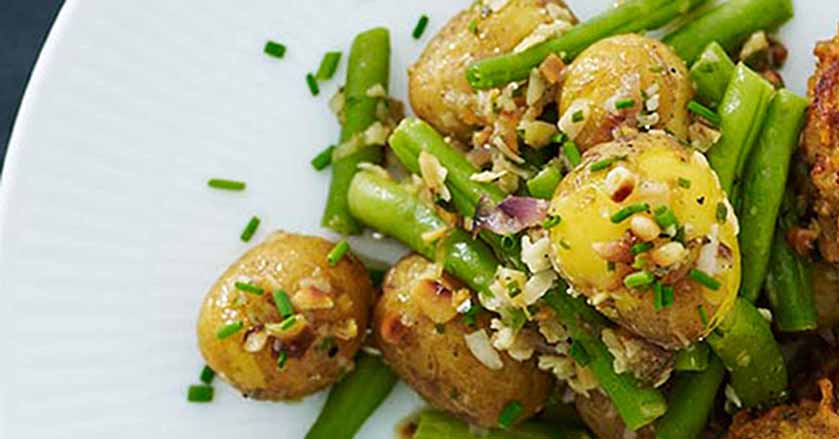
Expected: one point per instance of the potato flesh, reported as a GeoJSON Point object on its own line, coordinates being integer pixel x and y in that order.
{"type": "Point", "coordinates": [625, 67]}
{"type": "Point", "coordinates": [585, 205]}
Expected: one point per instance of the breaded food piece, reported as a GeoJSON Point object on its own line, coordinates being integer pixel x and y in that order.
{"type": "Point", "coordinates": [437, 85]}
{"type": "Point", "coordinates": [821, 145]}
{"type": "Point", "coordinates": [808, 420]}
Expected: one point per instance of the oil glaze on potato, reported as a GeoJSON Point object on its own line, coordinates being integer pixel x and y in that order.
{"type": "Point", "coordinates": [438, 88]}
{"type": "Point", "coordinates": [625, 67]}
{"type": "Point", "coordinates": [334, 301]}
{"type": "Point", "coordinates": [653, 169]}
{"type": "Point", "coordinates": [433, 358]}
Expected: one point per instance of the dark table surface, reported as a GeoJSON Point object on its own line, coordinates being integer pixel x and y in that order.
{"type": "Point", "coordinates": [23, 26]}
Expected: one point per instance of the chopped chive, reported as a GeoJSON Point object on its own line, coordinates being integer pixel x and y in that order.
{"type": "Point", "coordinates": [639, 279]}
{"type": "Point", "coordinates": [283, 303]}
{"type": "Point", "coordinates": [513, 290]}
{"type": "Point", "coordinates": [207, 375]}
{"type": "Point", "coordinates": [281, 359]}
{"type": "Point", "coordinates": [420, 27]}
{"type": "Point", "coordinates": [200, 393]}
{"type": "Point", "coordinates": [551, 221]}
{"type": "Point", "coordinates": [559, 138]}
{"type": "Point", "coordinates": [703, 316]}
{"type": "Point", "coordinates": [684, 183]}
{"type": "Point", "coordinates": [337, 253]}
{"type": "Point", "coordinates": [722, 212]}
{"type": "Point", "coordinates": [625, 103]}
{"type": "Point", "coordinates": [610, 266]}
{"type": "Point", "coordinates": [579, 354]}
{"type": "Point", "coordinates": [275, 49]}
{"type": "Point", "coordinates": [473, 26]}
{"type": "Point", "coordinates": [250, 229]}
{"type": "Point", "coordinates": [605, 163]}
{"type": "Point", "coordinates": [705, 112]}
{"type": "Point", "coordinates": [641, 247]}
{"type": "Point", "coordinates": [577, 116]}
{"type": "Point", "coordinates": [229, 329]}
{"type": "Point", "coordinates": [313, 84]}
{"type": "Point", "coordinates": [662, 296]}
{"type": "Point", "coordinates": [510, 414]}
{"type": "Point", "coordinates": [705, 279]}
{"type": "Point", "coordinates": [665, 218]}
{"type": "Point", "coordinates": [249, 288]}
{"type": "Point", "coordinates": [469, 317]}
{"type": "Point", "coordinates": [564, 244]}
{"type": "Point", "coordinates": [572, 153]}
{"type": "Point", "coordinates": [639, 262]}
{"type": "Point", "coordinates": [228, 185]}
{"type": "Point", "coordinates": [288, 322]}
{"type": "Point", "coordinates": [328, 66]}
{"type": "Point", "coordinates": [628, 211]}
{"type": "Point", "coordinates": [323, 159]}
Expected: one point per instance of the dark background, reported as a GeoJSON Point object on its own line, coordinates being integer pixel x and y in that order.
{"type": "Point", "coordinates": [23, 26]}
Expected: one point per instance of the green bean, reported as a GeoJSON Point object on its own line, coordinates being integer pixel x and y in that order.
{"type": "Point", "coordinates": [369, 65]}
{"type": "Point", "coordinates": [729, 24]}
{"type": "Point", "coordinates": [545, 182]}
{"type": "Point", "coordinates": [439, 425]}
{"type": "Point", "coordinates": [790, 289]}
{"type": "Point", "coordinates": [763, 186]}
{"type": "Point", "coordinates": [630, 16]}
{"type": "Point", "coordinates": [414, 136]}
{"type": "Point", "coordinates": [638, 406]}
{"type": "Point", "coordinates": [352, 400]}
{"type": "Point", "coordinates": [392, 209]}
{"type": "Point", "coordinates": [694, 358]}
{"type": "Point", "coordinates": [743, 110]}
{"type": "Point", "coordinates": [746, 346]}
{"type": "Point", "coordinates": [711, 73]}
{"type": "Point", "coordinates": [690, 402]}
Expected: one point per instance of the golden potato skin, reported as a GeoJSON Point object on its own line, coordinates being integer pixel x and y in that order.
{"type": "Point", "coordinates": [436, 362]}
{"type": "Point", "coordinates": [602, 418]}
{"type": "Point", "coordinates": [287, 262]}
{"type": "Point", "coordinates": [437, 84]}
{"type": "Point", "coordinates": [623, 67]}
{"type": "Point", "coordinates": [585, 203]}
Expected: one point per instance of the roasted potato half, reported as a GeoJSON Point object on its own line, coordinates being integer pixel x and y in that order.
{"type": "Point", "coordinates": [246, 340]}
{"type": "Point", "coordinates": [423, 338]}
{"type": "Point", "coordinates": [438, 88]}
{"type": "Point", "coordinates": [647, 234]}
{"type": "Point", "coordinates": [625, 81]}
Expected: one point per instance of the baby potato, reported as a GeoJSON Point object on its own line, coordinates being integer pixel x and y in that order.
{"type": "Point", "coordinates": [423, 338]}
{"type": "Point", "coordinates": [626, 80]}
{"type": "Point", "coordinates": [245, 339]}
{"type": "Point", "coordinates": [437, 85]}
{"type": "Point", "coordinates": [647, 234]}
{"type": "Point", "coordinates": [602, 418]}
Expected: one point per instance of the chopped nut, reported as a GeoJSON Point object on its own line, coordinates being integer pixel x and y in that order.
{"type": "Point", "coordinates": [434, 175]}
{"type": "Point", "coordinates": [703, 137]}
{"type": "Point", "coordinates": [535, 87]}
{"type": "Point", "coordinates": [669, 254]}
{"type": "Point", "coordinates": [434, 235]}
{"type": "Point", "coordinates": [346, 330]}
{"type": "Point", "coordinates": [255, 341]}
{"type": "Point", "coordinates": [376, 91]}
{"type": "Point", "coordinates": [538, 133]}
{"type": "Point", "coordinates": [619, 183]}
{"type": "Point", "coordinates": [311, 298]}
{"type": "Point", "coordinates": [643, 227]}
{"type": "Point", "coordinates": [552, 69]}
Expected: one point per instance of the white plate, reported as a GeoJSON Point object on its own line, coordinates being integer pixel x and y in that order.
{"type": "Point", "coordinates": [109, 236]}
